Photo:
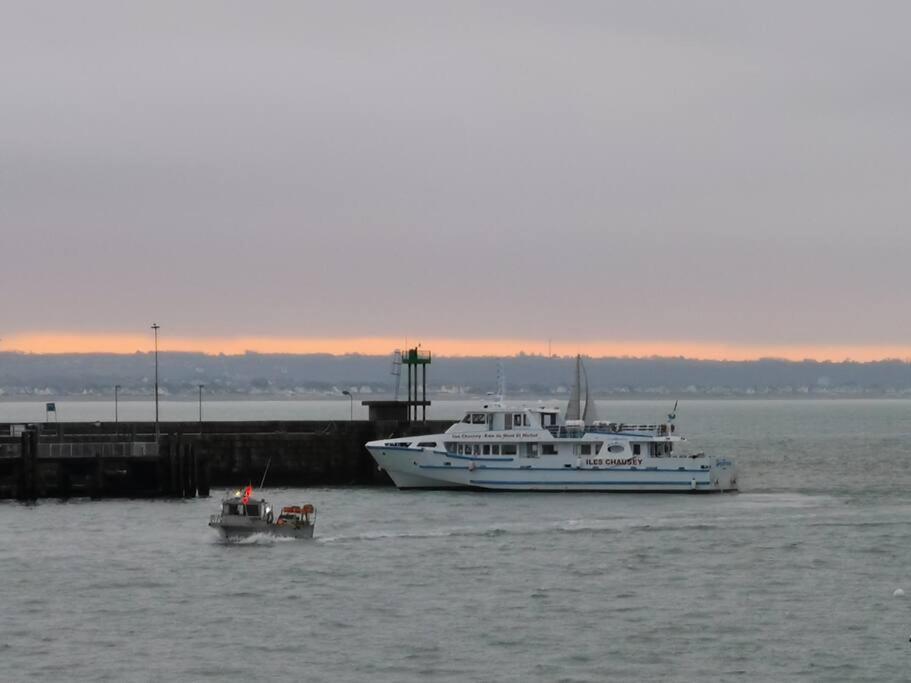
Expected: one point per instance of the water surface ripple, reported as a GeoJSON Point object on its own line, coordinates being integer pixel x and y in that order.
{"type": "Point", "coordinates": [790, 579]}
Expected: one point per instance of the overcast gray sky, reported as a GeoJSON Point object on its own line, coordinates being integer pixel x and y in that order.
{"type": "Point", "coordinates": [722, 171]}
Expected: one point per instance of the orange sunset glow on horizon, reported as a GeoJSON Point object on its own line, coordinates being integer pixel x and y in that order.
{"type": "Point", "coordinates": [57, 343]}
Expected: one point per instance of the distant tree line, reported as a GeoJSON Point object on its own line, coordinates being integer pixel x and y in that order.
{"type": "Point", "coordinates": [253, 373]}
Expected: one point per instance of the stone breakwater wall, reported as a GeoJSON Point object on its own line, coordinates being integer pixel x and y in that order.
{"type": "Point", "coordinates": [110, 460]}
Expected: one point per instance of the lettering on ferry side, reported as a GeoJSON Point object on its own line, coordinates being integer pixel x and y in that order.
{"type": "Point", "coordinates": [613, 461]}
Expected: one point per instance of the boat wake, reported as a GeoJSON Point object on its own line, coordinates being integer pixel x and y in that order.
{"type": "Point", "coordinates": [518, 529]}
{"type": "Point", "coordinates": [256, 540]}
{"type": "Point", "coordinates": [698, 521]}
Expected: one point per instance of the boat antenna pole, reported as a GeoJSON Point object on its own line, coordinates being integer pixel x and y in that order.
{"type": "Point", "coordinates": [501, 382]}
{"type": "Point", "coordinates": [265, 472]}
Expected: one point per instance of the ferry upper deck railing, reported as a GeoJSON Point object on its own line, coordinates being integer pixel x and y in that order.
{"type": "Point", "coordinates": [563, 432]}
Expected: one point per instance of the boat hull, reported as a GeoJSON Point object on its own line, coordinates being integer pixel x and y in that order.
{"type": "Point", "coordinates": [431, 468]}
{"type": "Point", "coordinates": [240, 531]}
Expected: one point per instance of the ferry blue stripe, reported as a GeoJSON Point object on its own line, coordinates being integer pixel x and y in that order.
{"type": "Point", "coordinates": [494, 468]}
{"type": "Point", "coordinates": [584, 469]}
{"type": "Point", "coordinates": [587, 483]}
{"type": "Point", "coordinates": [469, 457]}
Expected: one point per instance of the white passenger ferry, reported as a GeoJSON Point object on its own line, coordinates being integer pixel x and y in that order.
{"type": "Point", "coordinates": [537, 449]}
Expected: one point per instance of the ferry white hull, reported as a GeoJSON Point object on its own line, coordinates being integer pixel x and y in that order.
{"type": "Point", "coordinates": [411, 467]}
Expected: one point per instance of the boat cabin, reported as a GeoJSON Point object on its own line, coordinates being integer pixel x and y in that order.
{"type": "Point", "coordinates": [235, 507]}
{"type": "Point", "coordinates": [500, 418]}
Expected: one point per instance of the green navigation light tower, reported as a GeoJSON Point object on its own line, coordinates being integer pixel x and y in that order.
{"type": "Point", "coordinates": [416, 361]}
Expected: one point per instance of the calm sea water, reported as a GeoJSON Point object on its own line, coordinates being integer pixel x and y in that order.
{"type": "Point", "coordinates": [791, 579]}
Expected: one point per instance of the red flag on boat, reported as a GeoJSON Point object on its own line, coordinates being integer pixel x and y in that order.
{"type": "Point", "coordinates": [247, 493]}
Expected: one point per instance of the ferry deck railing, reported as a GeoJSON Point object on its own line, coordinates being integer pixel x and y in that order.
{"type": "Point", "coordinates": [573, 432]}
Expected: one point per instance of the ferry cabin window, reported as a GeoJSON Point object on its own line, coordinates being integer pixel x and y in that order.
{"type": "Point", "coordinates": [532, 450]}
{"type": "Point", "coordinates": [427, 444]}
{"type": "Point", "coordinates": [486, 449]}
{"type": "Point", "coordinates": [509, 449]}
{"type": "Point", "coordinates": [253, 510]}
{"type": "Point", "coordinates": [495, 449]}
{"type": "Point", "coordinates": [517, 419]}
{"type": "Point", "coordinates": [467, 418]}
{"type": "Point", "coordinates": [548, 449]}
{"type": "Point", "coordinates": [637, 449]}
{"type": "Point", "coordinates": [585, 449]}
{"type": "Point", "coordinates": [477, 449]}
{"type": "Point", "coordinates": [478, 418]}
{"type": "Point", "coordinates": [548, 419]}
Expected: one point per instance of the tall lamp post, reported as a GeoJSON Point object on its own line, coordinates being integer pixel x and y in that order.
{"type": "Point", "coordinates": [155, 328]}
{"type": "Point", "coordinates": [350, 404]}
{"type": "Point", "coordinates": [116, 391]}
{"type": "Point", "coordinates": [201, 387]}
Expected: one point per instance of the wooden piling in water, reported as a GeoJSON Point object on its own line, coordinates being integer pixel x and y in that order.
{"type": "Point", "coordinates": [194, 469]}
{"type": "Point", "coordinates": [63, 483]}
{"type": "Point", "coordinates": [28, 465]}
{"type": "Point", "coordinates": [203, 474]}
{"type": "Point", "coordinates": [189, 481]}
{"type": "Point", "coordinates": [181, 491]}
{"type": "Point", "coordinates": [173, 481]}
{"type": "Point", "coordinates": [98, 477]}
{"type": "Point", "coordinates": [160, 477]}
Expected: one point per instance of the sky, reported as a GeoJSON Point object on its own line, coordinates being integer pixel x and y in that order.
{"type": "Point", "coordinates": [710, 179]}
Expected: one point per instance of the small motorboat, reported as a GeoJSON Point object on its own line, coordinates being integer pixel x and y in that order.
{"type": "Point", "coordinates": [241, 517]}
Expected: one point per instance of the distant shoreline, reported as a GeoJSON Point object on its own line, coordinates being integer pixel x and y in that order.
{"type": "Point", "coordinates": [186, 398]}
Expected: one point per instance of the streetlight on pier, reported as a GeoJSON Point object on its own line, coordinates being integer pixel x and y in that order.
{"type": "Point", "coordinates": [155, 328]}
{"type": "Point", "coordinates": [116, 391]}
{"type": "Point", "coordinates": [350, 404]}
{"type": "Point", "coordinates": [201, 387]}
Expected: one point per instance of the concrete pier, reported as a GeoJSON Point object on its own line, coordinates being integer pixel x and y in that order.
{"type": "Point", "coordinates": [105, 460]}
